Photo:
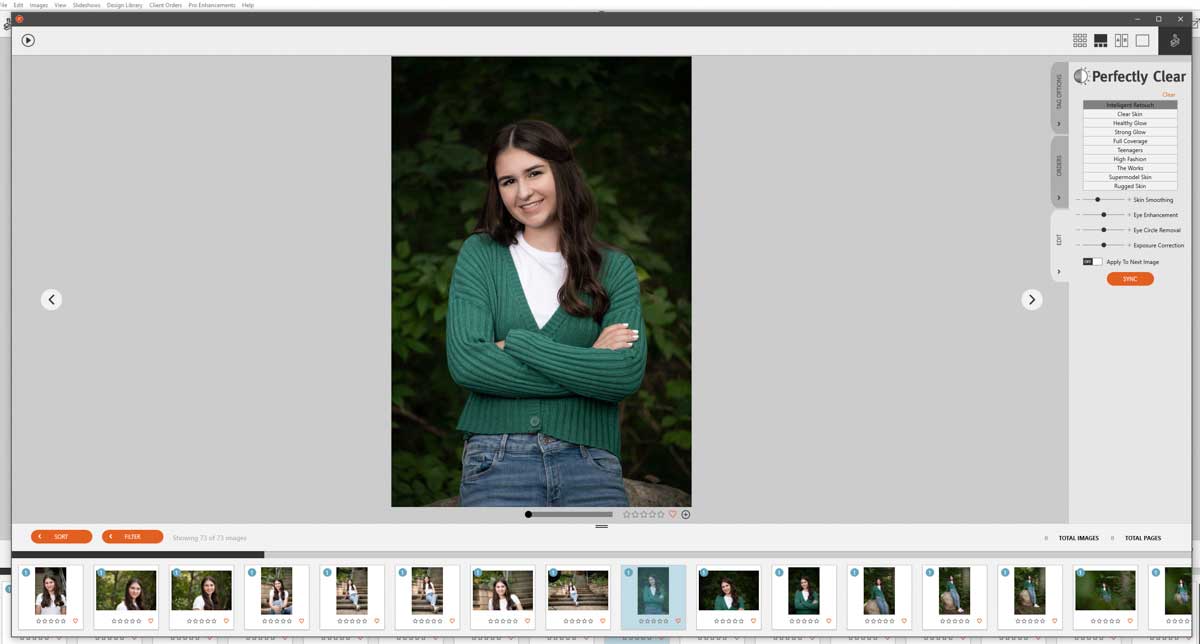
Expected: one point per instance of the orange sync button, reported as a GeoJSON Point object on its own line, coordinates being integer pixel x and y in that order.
{"type": "Point", "coordinates": [1131, 279]}
{"type": "Point", "coordinates": [62, 536]}
{"type": "Point", "coordinates": [133, 536]}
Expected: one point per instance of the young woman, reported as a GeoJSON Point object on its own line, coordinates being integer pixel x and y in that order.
{"type": "Point", "coordinates": [1105, 593]}
{"type": "Point", "coordinates": [542, 329]}
{"type": "Point", "coordinates": [352, 593]}
{"type": "Point", "coordinates": [430, 592]}
{"type": "Point", "coordinates": [133, 596]}
{"type": "Point", "coordinates": [1032, 590]}
{"type": "Point", "coordinates": [880, 600]}
{"type": "Point", "coordinates": [52, 600]}
{"type": "Point", "coordinates": [804, 601]}
{"type": "Point", "coordinates": [1181, 589]}
{"type": "Point", "coordinates": [501, 599]}
{"type": "Point", "coordinates": [573, 592]}
{"type": "Point", "coordinates": [728, 598]}
{"type": "Point", "coordinates": [654, 600]}
{"type": "Point", "coordinates": [280, 600]}
{"type": "Point", "coordinates": [208, 598]}
{"type": "Point", "coordinates": [953, 590]}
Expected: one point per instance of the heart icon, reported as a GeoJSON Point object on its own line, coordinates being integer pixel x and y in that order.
{"type": "Point", "coordinates": [828, 620]}
{"type": "Point", "coordinates": [903, 620]}
{"type": "Point", "coordinates": [753, 620]}
{"type": "Point", "coordinates": [979, 620]}
{"type": "Point", "coordinates": [678, 619]}
{"type": "Point", "coordinates": [1054, 620]}
{"type": "Point", "coordinates": [1130, 620]}
{"type": "Point", "coordinates": [451, 620]}
{"type": "Point", "coordinates": [151, 620]}
{"type": "Point", "coordinates": [226, 620]}
{"type": "Point", "coordinates": [376, 620]}
{"type": "Point", "coordinates": [301, 620]}
{"type": "Point", "coordinates": [672, 513]}
{"type": "Point", "coordinates": [602, 620]}
{"type": "Point", "coordinates": [526, 620]}
{"type": "Point", "coordinates": [75, 620]}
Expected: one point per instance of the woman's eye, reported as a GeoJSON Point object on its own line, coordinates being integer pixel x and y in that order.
{"type": "Point", "coordinates": [535, 173]}
{"type": "Point", "coordinates": [505, 182]}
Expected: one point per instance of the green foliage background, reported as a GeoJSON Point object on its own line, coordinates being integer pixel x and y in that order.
{"type": "Point", "coordinates": [746, 583]}
{"type": "Point", "coordinates": [794, 575]}
{"type": "Point", "coordinates": [596, 578]}
{"type": "Point", "coordinates": [186, 588]}
{"type": "Point", "coordinates": [1039, 587]}
{"type": "Point", "coordinates": [1121, 583]}
{"type": "Point", "coordinates": [1171, 577]}
{"type": "Point", "coordinates": [630, 122]}
{"type": "Point", "coordinates": [962, 583]}
{"type": "Point", "coordinates": [888, 577]}
{"type": "Point", "coordinates": [110, 589]}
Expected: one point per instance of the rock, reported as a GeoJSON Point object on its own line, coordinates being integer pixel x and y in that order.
{"type": "Point", "coordinates": [641, 495]}
{"type": "Point", "coordinates": [870, 608]}
{"type": "Point", "coordinates": [654, 495]}
{"type": "Point", "coordinates": [1024, 599]}
{"type": "Point", "coordinates": [947, 601]}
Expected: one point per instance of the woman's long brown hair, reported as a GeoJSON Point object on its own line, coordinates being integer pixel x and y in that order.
{"type": "Point", "coordinates": [576, 212]}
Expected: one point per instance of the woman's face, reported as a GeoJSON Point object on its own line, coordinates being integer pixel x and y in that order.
{"type": "Point", "coordinates": [803, 584]}
{"type": "Point", "coordinates": [726, 588]}
{"type": "Point", "coordinates": [526, 186]}
{"type": "Point", "coordinates": [49, 585]}
{"type": "Point", "coordinates": [501, 588]}
{"type": "Point", "coordinates": [135, 590]}
{"type": "Point", "coordinates": [278, 585]}
{"type": "Point", "coordinates": [951, 578]}
{"type": "Point", "coordinates": [652, 581]}
{"type": "Point", "coordinates": [209, 587]}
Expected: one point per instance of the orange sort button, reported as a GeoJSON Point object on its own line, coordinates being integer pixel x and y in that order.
{"type": "Point", "coordinates": [1131, 279]}
{"type": "Point", "coordinates": [62, 536]}
{"type": "Point", "coordinates": [133, 536]}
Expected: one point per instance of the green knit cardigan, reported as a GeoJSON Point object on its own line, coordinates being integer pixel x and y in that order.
{"type": "Point", "coordinates": [547, 380]}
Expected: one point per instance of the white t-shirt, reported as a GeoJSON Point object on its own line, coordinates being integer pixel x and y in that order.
{"type": "Point", "coordinates": [199, 603]}
{"type": "Point", "coordinates": [728, 601]}
{"type": "Point", "coordinates": [542, 273]}
{"type": "Point", "coordinates": [271, 597]}
{"type": "Point", "coordinates": [503, 604]}
{"type": "Point", "coordinates": [121, 606]}
{"type": "Point", "coordinates": [52, 609]}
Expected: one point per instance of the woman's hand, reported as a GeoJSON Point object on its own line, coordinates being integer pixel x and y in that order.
{"type": "Point", "coordinates": [617, 336]}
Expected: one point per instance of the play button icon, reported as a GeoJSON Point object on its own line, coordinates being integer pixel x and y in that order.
{"type": "Point", "coordinates": [1031, 299]}
{"type": "Point", "coordinates": [28, 40]}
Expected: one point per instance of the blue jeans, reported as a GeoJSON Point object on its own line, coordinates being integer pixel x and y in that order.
{"type": "Point", "coordinates": [535, 470]}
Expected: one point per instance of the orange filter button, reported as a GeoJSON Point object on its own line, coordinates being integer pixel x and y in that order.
{"type": "Point", "coordinates": [133, 536]}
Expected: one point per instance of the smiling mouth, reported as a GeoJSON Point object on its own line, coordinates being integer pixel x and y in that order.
{"type": "Point", "coordinates": [531, 205]}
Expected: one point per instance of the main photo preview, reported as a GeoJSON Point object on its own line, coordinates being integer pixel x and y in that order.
{"type": "Point", "coordinates": [541, 229]}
